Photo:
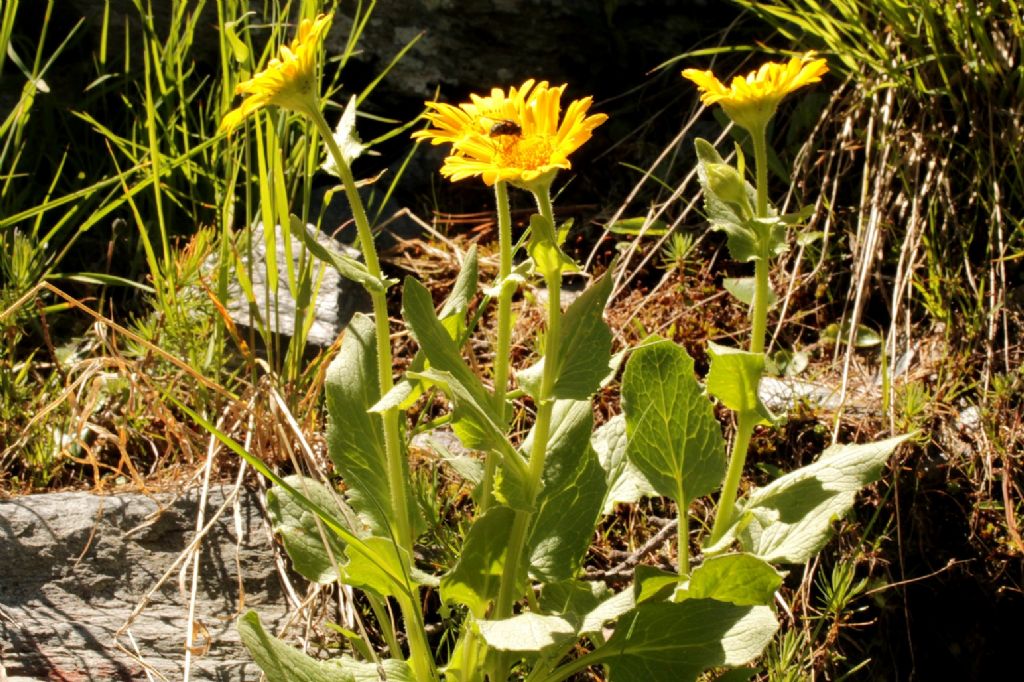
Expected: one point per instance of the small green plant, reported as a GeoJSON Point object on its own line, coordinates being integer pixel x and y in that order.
{"type": "Point", "coordinates": [518, 606]}
{"type": "Point", "coordinates": [676, 252]}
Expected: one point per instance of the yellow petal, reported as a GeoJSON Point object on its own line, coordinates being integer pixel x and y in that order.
{"type": "Point", "coordinates": [752, 99]}
{"type": "Point", "coordinates": [543, 143]}
{"type": "Point", "coordinates": [289, 80]}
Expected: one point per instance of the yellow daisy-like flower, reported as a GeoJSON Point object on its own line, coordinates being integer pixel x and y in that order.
{"type": "Point", "coordinates": [516, 137]}
{"type": "Point", "coordinates": [752, 100]}
{"type": "Point", "coordinates": [289, 81]}
{"type": "Point", "coordinates": [476, 116]}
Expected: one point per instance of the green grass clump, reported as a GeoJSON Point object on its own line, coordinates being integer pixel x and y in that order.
{"type": "Point", "coordinates": [117, 192]}
{"type": "Point", "coordinates": [932, 107]}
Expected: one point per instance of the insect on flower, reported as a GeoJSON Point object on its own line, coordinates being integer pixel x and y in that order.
{"type": "Point", "coordinates": [505, 127]}
{"type": "Point", "coordinates": [513, 136]}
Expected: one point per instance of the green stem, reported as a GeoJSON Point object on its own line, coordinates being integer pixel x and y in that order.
{"type": "Point", "coordinates": [421, 659]}
{"type": "Point", "coordinates": [470, 662]}
{"type": "Point", "coordinates": [759, 306]}
{"type": "Point", "coordinates": [395, 464]}
{"type": "Point", "coordinates": [503, 345]}
{"type": "Point", "coordinates": [759, 324]}
{"type": "Point", "coordinates": [683, 535]}
{"type": "Point", "coordinates": [737, 458]}
{"type": "Point", "coordinates": [759, 312]}
{"type": "Point", "coordinates": [501, 358]}
{"type": "Point", "coordinates": [507, 593]}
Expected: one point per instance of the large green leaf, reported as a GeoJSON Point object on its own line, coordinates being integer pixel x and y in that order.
{"type": "Point", "coordinates": [374, 568]}
{"type": "Point", "coordinates": [476, 426]}
{"type": "Point", "coordinates": [743, 289]}
{"type": "Point", "coordinates": [464, 289]}
{"type": "Point", "coordinates": [437, 343]}
{"type": "Point", "coordinates": [368, 671]}
{"type": "Point", "coordinates": [545, 248]}
{"type": "Point", "coordinates": [453, 317]}
{"type": "Point", "coordinates": [527, 632]}
{"type": "Point", "coordinates": [298, 528]}
{"type": "Point", "coordinates": [653, 583]}
{"type": "Point", "coordinates": [734, 377]}
{"type": "Point", "coordinates": [608, 610]}
{"type": "Point", "coordinates": [476, 578]}
{"type": "Point", "coordinates": [583, 350]}
{"type": "Point", "coordinates": [666, 642]}
{"type": "Point", "coordinates": [284, 663]}
{"type": "Point", "coordinates": [740, 579]}
{"type": "Point", "coordinates": [673, 437]}
{"type": "Point", "coordinates": [377, 573]}
{"type": "Point", "coordinates": [355, 437]}
{"type": "Point", "coordinates": [790, 519]}
{"type": "Point", "coordinates": [281, 662]}
{"type": "Point", "coordinates": [569, 502]}
{"type": "Point", "coordinates": [624, 481]}
{"type": "Point", "coordinates": [585, 343]}
{"type": "Point", "coordinates": [573, 599]}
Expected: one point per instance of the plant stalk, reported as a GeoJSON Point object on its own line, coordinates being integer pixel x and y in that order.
{"type": "Point", "coordinates": [420, 655]}
{"type": "Point", "coordinates": [683, 534]}
{"type": "Point", "coordinates": [396, 471]}
{"type": "Point", "coordinates": [541, 431]}
{"type": "Point", "coordinates": [759, 306]}
{"type": "Point", "coordinates": [759, 324]}
{"type": "Point", "coordinates": [503, 345]}
{"type": "Point", "coordinates": [737, 458]}
{"type": "Point", "coordinates": [501, 359]}
{"type": "Point", "coordinates": [507, 595]}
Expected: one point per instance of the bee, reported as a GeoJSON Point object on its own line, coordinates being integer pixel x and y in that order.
{"type": "Point", "coordinates": [505, 127]}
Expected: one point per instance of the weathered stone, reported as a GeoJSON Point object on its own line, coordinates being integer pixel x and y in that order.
{"type": "Point", "coordinates": [602, 48]}
{"type": "Point", "coordinates": [599, 47]}
{"type": "Point", "coordinates": [74, 566]}
{"type": "Point", "coordinates": [334, 301]}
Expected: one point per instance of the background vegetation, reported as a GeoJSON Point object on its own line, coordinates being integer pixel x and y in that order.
{"type": "Point", "coordinates": [118, 217]}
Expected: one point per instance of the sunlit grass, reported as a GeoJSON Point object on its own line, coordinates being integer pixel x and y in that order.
{"type": "Point", "coordinates": [132, 208]}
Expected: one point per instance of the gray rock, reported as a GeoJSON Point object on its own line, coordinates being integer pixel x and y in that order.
{"type": "Point", "coordinates": [275, 308]}
{"type": "Point", "coordinates": [476, 44]}
{"type": "Point", "coordinates": [464, 43]}
{"type": "Point", "coordinates": [76, 565]}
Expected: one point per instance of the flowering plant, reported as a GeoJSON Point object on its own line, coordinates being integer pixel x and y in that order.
{"type": "Point", "coordinates": [516, 589]}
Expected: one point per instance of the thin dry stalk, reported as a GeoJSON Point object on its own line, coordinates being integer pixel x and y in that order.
{"type": "Point", "coordinates": [212, 447]}
{"type": "Point", "coordinates": [866, 244]}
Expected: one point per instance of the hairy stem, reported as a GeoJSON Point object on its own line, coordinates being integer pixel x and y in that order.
{"type": "Point", "coordinates": [683, 534]}
{"type": "Point", "coordinates": [737, 458]}
{"type": "Point", "coordinates": [759, 306]}
{"type": "Point", "coordinates": [395, 465]}
{"type": "Point", "coordinates": [507, 592]}
{"type": "Point", "coordinates": [504, 341]}
{"type": "Point", "coordinates": [501, 357]}
{"type": "Point", "coordinates": [420, 656]}
{"type": "Point", "coordinates": [759, 324]}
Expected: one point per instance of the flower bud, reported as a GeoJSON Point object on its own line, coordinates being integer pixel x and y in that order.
{"type": "Point", "coordinates": [727, 185]}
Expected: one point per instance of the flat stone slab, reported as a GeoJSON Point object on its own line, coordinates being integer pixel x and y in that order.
{"type": "Point", "coordinates": [74, 567]}
{"type": "Point", "coordinates": [334, 299]}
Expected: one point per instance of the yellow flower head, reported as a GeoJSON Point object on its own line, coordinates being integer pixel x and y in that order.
{"type": "Point", "coordinates": [752, 100]}
{"type": "Point", "coordinates": [517, 136]}
{"type": "Point", "coordinates": [289, 80]}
